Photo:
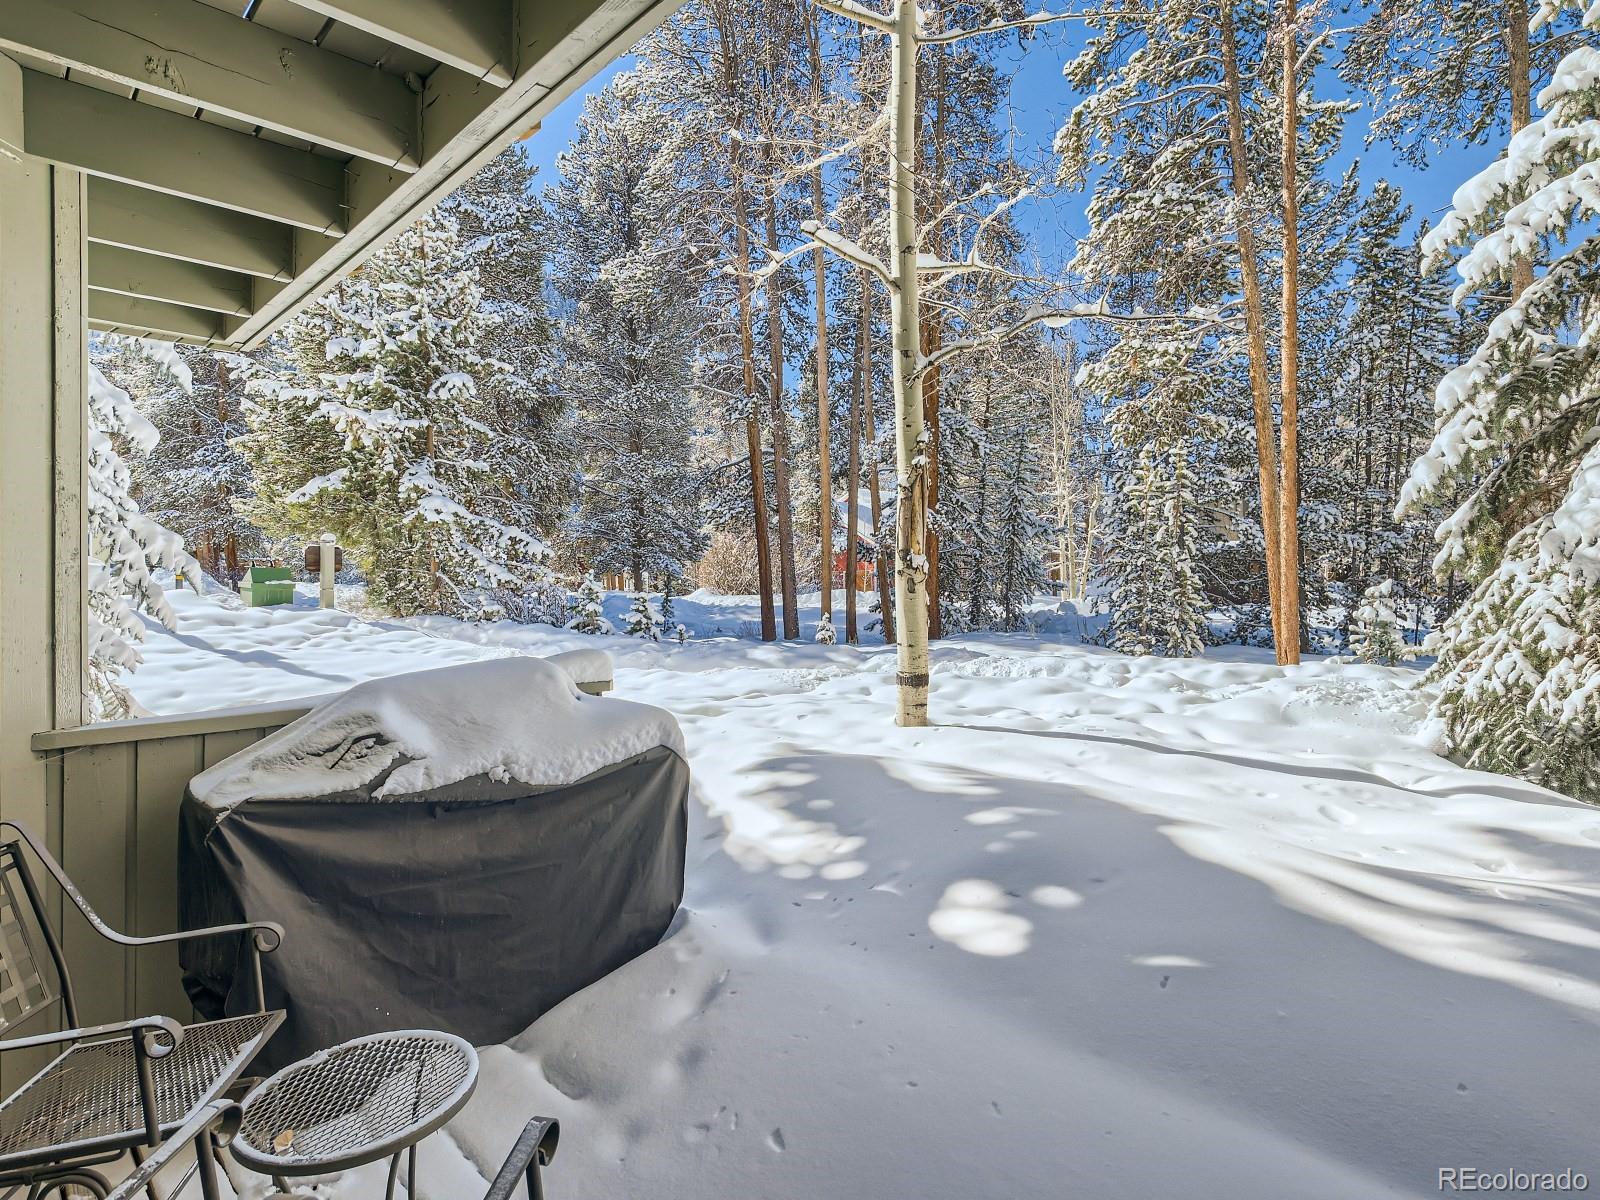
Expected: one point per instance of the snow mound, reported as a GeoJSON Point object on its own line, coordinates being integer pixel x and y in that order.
{"type": "Point", "coordinates": [507, 719]}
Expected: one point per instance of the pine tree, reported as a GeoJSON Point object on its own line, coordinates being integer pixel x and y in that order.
{"type": "Point", "coordinates": [1397, 342]}
{"type": "Point", "coordinates": [1205, 149]}
{"type": "Point", "coordinates": [194, 481]}
{"type": "Point", "coordinates": [502, 237]}
{"type": "Point", "coordinates": [588, 609]}
{"type": "Point", "coordinates": [644, 619]}
{"type": "Point", "coordinates": [827, 635]}
{"type": "Point", "coordinates": [1518, 426]}
{"type": "Point", "coordinates": [1374, 632]}
{"type": "Point", "coordinates": [992, 519]}
{"type": "Point", "coordinates": [1160, 382]}
{"type": "Point", "coordinates": [375, 425]}
{"type": "Point", "coordinates": [631, 323]}
{"type": "Point", "coordinates": [1441, 72]}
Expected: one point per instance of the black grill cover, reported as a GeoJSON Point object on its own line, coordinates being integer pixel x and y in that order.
{"type": "Point", "coordinates": [473, 907]}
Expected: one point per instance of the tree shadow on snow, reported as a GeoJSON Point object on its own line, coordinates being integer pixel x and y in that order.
{"type": "Point", "coordinates": [1395, 1019]}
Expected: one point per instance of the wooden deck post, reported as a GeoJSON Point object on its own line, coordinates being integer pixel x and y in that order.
{"type": "Point", "coordinates": [43, 342]}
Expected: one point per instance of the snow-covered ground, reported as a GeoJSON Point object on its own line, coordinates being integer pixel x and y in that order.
{"type": "Point", "coordinates": [1113, 928]}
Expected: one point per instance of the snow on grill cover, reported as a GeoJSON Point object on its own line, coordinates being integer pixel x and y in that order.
{"type": "Point", "coordinates": [458, 849]}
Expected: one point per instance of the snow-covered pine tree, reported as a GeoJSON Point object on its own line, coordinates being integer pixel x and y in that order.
{"type": "Point", "coordinates": [126, 547]}
{"type": "Point", "coordinates": [631, 320]}
{"type": "Point", "coordinates": [1160, 379]}
{"type": "Point", "coordinates": [1518, 425]}
{"type": "Point", "coordinates": [1440, 72]}
{"type": "Point", "coordinates": [588, 609]}
{"type": "Point", "coordinates": [1397, 343]}
{"type": "Point", "coordinates": [1374, 628]}
{"type": "Point", "coordinates": [993, 526]}
{"type": "Point", "coordinates": [374, 425]}
{"type": "Point", "coordinates": [194, 480]}
{"type": "Point", "coordinates": [827, 635]}
{"type": "Point", "coordinates": [644, 619]}
{"type": "Point", "coordinates": [1182, 137]}
{"type": "Point", "coordinates": [501, 233]}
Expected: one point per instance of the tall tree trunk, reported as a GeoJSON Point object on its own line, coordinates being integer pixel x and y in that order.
{"type": "Point", "coordinates": [1254, 318]}
{"type": "Point", "coordinates": [911, 428]}
{"type": "Point", "coordinates": [881, 565]}
{"type": "Point", "coordinates": [819, 271]}
{"type": "Point", "coordinates": [741, 232]}
{"type": "Point", "coordinates": [1288, 647]}
{"type": "Point", "coordinates": [780, 423]}
{"type": "Point", "coordinates": [852, 480]}
{"type": "Point", "coordinates": [819, 261]}
{"type": "Point", "coordinates": [932, 339]}
{"type": "Point", "coordinates": [1519, 66]}
{"type": "Point", "coordinates": [752, 425]}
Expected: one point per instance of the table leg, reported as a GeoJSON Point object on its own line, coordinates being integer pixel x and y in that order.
{"type": "Point", "coordinates": [394, 1170]}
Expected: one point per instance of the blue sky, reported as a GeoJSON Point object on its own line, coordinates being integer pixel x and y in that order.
{"type": "Point", "coordinates": [1039, 103]}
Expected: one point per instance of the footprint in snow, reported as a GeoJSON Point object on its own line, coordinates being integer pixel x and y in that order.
{"type": "Point", "coordinates": [1339, 816]}
{"type": "Point", "coordinates": [776, 1142]}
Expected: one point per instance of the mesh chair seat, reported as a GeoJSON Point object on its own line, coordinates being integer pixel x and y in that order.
{"type": "Point", "coordinates": [355, 1103]}
{"type": "Point", "coordinates": [87, 1100]}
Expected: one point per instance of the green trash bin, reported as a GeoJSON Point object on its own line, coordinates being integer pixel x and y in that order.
{"type": "Point", "coordinates": [266, 585]}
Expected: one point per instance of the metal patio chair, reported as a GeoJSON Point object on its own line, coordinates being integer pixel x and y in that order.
{"type": "Point", "coordinates": [121, 1087]}
{"type": "Point", "coordinates": [211, 1128]}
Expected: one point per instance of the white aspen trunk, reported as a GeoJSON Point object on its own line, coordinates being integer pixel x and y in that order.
{"type": "Point", "coordinates": [911, 433]}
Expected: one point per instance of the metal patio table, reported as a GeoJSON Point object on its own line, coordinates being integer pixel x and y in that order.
{"type": "Point", "coordinates": [358, 1102]}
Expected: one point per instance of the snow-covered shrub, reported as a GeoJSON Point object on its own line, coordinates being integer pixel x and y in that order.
{"type": "Point", "coordinates": [680, 634]}
{"type": "Point", "coordinates": [1518, 426]}
{"type": "Point", "coordinates": [125, 547]}
{"type": "Point", "coordinates": [1375, 635]}
{"type": "Point", "coordinates": [826, 634]}
{"type": "Point", "coordinates": [644, 619]}
{"type": "Point", "coordinates": [542, 602]}
{"type": "Point", "coordinates": [588, 614]}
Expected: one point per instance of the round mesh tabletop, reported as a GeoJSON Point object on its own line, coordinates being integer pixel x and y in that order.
{"type": "Point", "coordinates": [355, 1103]}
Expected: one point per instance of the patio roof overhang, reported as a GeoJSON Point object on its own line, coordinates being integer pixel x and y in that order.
{"type": "Point", "coordinates": [243, 155]}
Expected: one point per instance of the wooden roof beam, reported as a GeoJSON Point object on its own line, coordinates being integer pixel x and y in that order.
{"type": "Point", "coordinates": [111, 313]}
{"type": "Point", "coordinates": [470, 35]}
{"type": "Point", "coordinates": [148, 277]}
{"type": "Point", "coordinates": [116, 138]}
{"type": "Point", "coordinates": [465, 124]}
{"type": "Point", "coordinates": [155, 223]}
{"type": "Point", "coordinates": [192, 53]}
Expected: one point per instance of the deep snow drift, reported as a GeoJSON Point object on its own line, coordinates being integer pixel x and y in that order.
{"type": "Point", "coordinates": [1114, 928]}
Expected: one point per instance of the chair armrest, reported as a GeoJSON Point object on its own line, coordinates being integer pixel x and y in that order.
{"type": "Point", "coordinates": [147, 1028]}
{"type": "Point", "coordinates": [534, 1149]}
{"type": "Point", "coordinates": [266, 935]}
{"type": "Point", "coordinates": [219, 1119]}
